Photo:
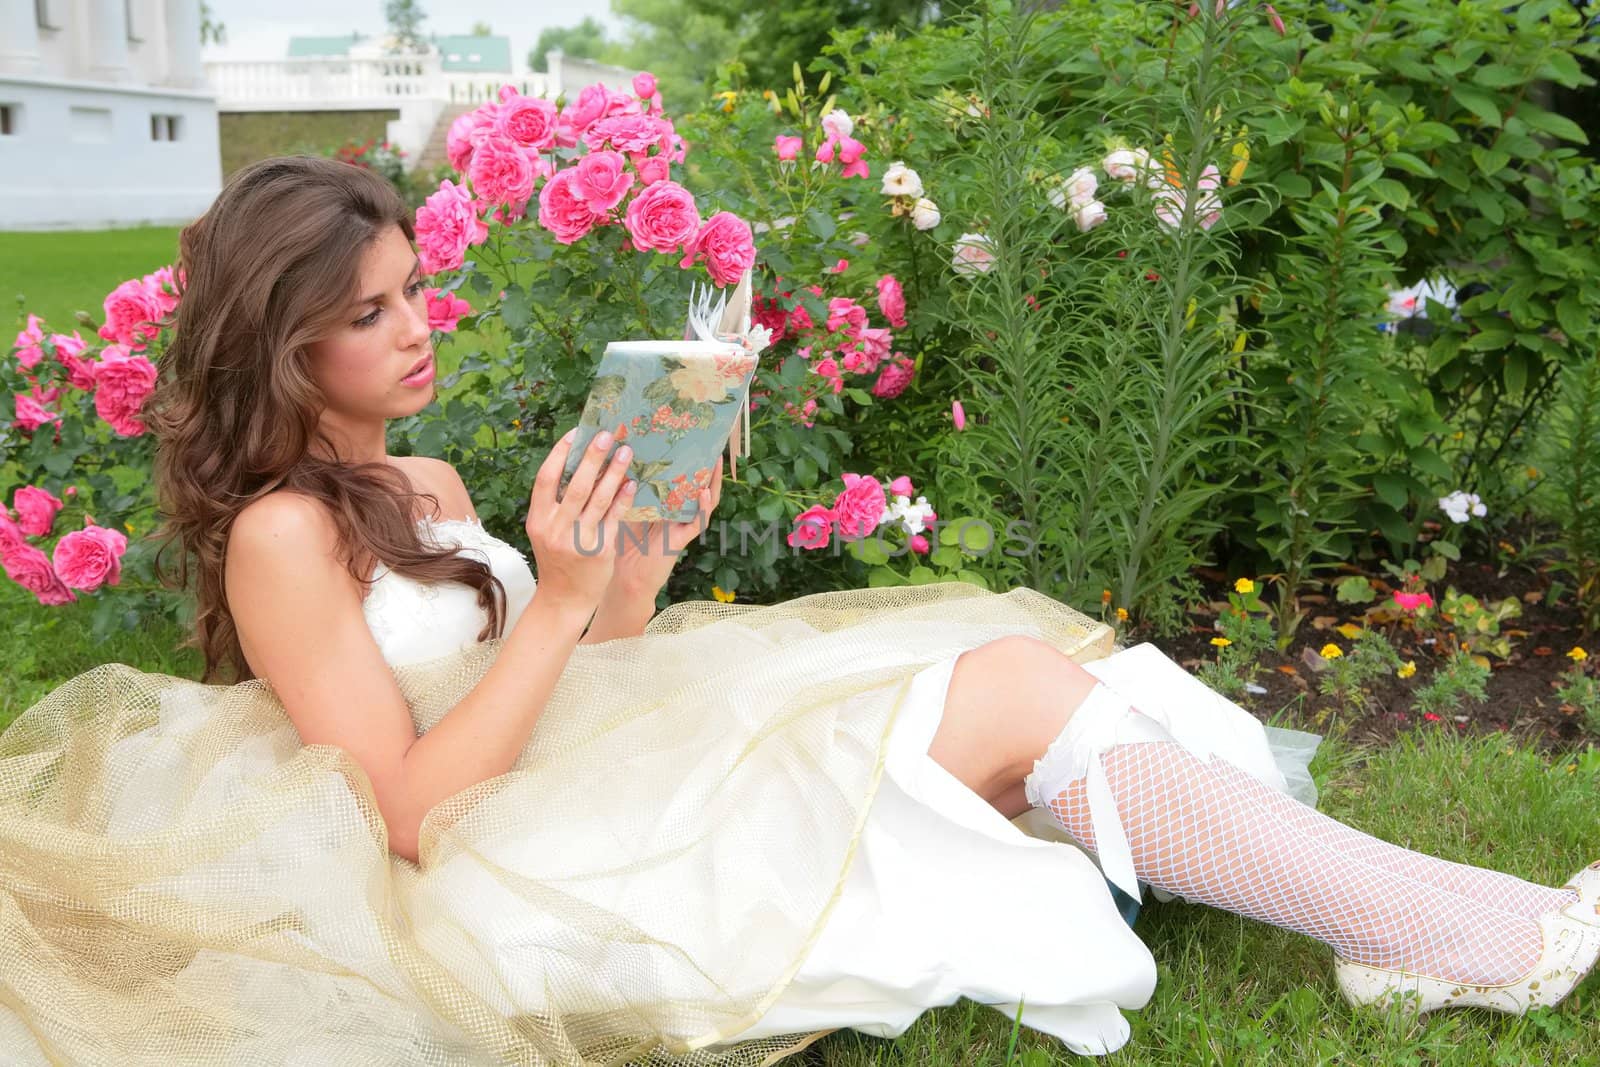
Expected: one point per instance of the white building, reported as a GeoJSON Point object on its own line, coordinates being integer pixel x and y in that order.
{"type": "Point", "coordinates": [105, 115]}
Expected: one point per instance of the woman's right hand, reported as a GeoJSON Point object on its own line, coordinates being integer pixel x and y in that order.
{"type": "Point", "coordinates": [563, 531]}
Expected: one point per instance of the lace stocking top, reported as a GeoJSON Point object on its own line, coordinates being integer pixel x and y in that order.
{"type": "Point", "coordinates": [414, 621]}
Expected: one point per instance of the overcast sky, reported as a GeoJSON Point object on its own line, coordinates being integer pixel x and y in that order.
{"type": "Point", "coordinates": [258, 30]}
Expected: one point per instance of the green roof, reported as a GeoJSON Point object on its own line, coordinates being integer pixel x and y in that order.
{"type": "Point", "coordinates": [307, 47]}
{"type": "Point", "coordinates": [486, 54]}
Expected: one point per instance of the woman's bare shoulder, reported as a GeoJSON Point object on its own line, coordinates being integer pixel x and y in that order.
{"type": "Point", "coordinates": [429, 475]}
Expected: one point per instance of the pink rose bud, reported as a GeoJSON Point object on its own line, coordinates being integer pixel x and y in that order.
{"type": "Point", "coordinates": [901, 486]}
{"type": "Point", "coordinates": [72, 490]}
{"type": "Point", "coordinates": [1275, 19]}
{"type": "Point", "coordinates": [644, 85]}
{"type": "Point", "coordinates": [959, 414]}
{"type": "Point", "coordinates": [919, 544]}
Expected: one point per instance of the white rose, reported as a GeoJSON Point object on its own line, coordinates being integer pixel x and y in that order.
{"type": "Point", "coordinates": [1081, 186]}
{"type": "Point", "coordinates": [1125, 163]}
{"type": "Point", "coordinates": [974, 254]}
{"type": "Point", "coordinates": [925, 214]}
{"type": "Point", "coordinates": [837, 123]}
{"type": "Point", "coordinates": [901, 180]}
{"type": "Point", "coordinates": [1090, 215]}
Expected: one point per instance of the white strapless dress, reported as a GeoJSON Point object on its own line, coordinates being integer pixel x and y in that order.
{"type": "Point", "coordinates": [945, 898]}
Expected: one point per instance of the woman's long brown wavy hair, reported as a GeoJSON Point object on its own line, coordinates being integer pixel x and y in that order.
{"type": "Point", "coordinates": [269, 269]}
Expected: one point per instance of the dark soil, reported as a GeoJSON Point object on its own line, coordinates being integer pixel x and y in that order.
{"type": "Point", "coordinates": [1522, 688]}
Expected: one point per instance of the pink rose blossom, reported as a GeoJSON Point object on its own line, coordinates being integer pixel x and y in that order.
{"type": "Point", "coordinates": [876, 343]}
{"type": "Point", "coordinates": [857, 508]}
{"type": "Point", "coordinates": [501, 172]}
{"type": "Point", "coordinates": [36, 510]}
{"type": "Point", "coordinates": [663, 218]}
{"type": "Point", "coordinates": [892, 301]}
{"type": "Point", "coordinates": [132, 312]}
{"type": "Point", "coordinates": [653, 169]}
{"type": "Point", "coordinates": [625, 133]}
{"type": "Point", "coordinates": [786, 147]}
{"type": "Point", "coordinates": [812, 528]}
{"type": "Point", "coordinates": [602, 181]}
{"type": "Point", "coordinates": [445, 309]}
{"type": "Point", "coordinates": [11, 535]}
{"type": "Point", "coordinates": [589, 108]}
{"type": "Point", "coordinates": [562, 211]}
{"type": "Point", "coordinates": [31, 569]}
{"type": "Point", "coordinates": [894, 377]}
{"type": "Point", "coordinates": [840, 267]}
{"type": "Point", "coordinates": [91, 557]}
{"type": "Point", "coordinates": [901, 486]}
{"type": "Point", "coordinates": [825, 150]}
{"type": "Point", "coordinates": [165, 288]}
{"type": "Point", "coordinates": [527, 120]}
{"type": "Point", "coordinates": [27, 347]}
{"type": "Point", "coordinates": [467, 132]}
{"type": "Point", "coordinates": [919, 544]}
{"type": "Point", "coordinates": [447, 225]}
{"type": "Point", "coordinates": [846, 315]}
{"type": "Point", "coordinates": [31, 414]}
{"type": "Point", "coordinates": [959, 414]}
{"type": "Point", "coordinates": [852, 155]}
{"type": "Point", "coordinates": [123, 381]}
{"type": "Point", "coordinates": [644, 85]}
{"type": "Point", "coordinates": [69, 353]}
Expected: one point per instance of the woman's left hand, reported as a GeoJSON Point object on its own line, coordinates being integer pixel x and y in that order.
{"type": "Point", "coordinates": [644, 562]}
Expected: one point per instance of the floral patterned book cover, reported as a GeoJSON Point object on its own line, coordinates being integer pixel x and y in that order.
{"type": "Point", "coordinates": [676, 404]}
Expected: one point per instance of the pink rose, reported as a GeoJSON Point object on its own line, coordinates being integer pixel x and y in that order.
{"type": "Point", "coordinates": [11, 534]}
{"type": "Point", "coordinates": [31, 414]}
{"type": "Point", "coordinates": [602, 181]}
{"type": "Point", "coordinates": [501, 172]}
{"type": "Point", "coordinates": [894, 377]}
{"type": "Point", "coordinates": [562, 211]}
{"type": "Point", "coordinates": [851, 154]}
{"type": "Point", "coordinates": [124, 380]}
{"type": "Point", "coordinates": [811, 528]}
{"type": "Point", "coordinates": [892, 301]}
{"type": "Point", "coordinates": [840, 267]}
{"type": "Point", "coordinates": [919, 544]}
{"type": "Point", "coordinates": [445, 309]}
{"type": "Point", "coordinates": [825, 150]}
{"type": "Point", "coordinates": [663, 218]}
{"type": "Point", "coordinates": [27, 347]}
{"type": "Point", "coordinates": [528, 121]}
{"type": "Point", "coordinates": [36, 510]}
{"type": "Point", "coordinates": [875, 344]}
{"type": "Point", "coordinates": [726, 244]}
{"type": "Point", "coordinates": [447, 225]}
{"type": "Point", "coordinates": [644, 85]}
{"type": "Point", "coordinates": [625, 133]}
{"type": "Point", "coordinates": [846, 315]}
{"type": "Point", "coordinates": [132, 312]}
{"type": "Point", "coordinates": [91, 557]}
{"type": "Point", "coordinates": [69, 353]}
{"type": "Point", "coordinates": [31, 569]}
{"type": "Point", "coordinates": [857, 508]}
{"type": "Point", "coordinates": [165, 287]}
{"type": "Point", "coordinates": [901, 486]}
{"type": "Point", "coordinates": [467, 133]}
{"type": "Point", "coordinates": [589, 107]}
{"type": "Point", "coordinates": [653, 169]}
{"type": "Point", "coordinates": [786, 147]}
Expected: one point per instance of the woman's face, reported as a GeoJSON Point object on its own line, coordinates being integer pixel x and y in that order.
{"type": "Point", "coordinates": [379, 364]}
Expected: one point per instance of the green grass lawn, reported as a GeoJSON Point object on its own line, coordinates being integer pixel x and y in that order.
{"type": "Point", "coordinates": [57, 274]}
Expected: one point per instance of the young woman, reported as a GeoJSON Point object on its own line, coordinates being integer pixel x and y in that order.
{"type": "Point", "coordinates": [441, 818]}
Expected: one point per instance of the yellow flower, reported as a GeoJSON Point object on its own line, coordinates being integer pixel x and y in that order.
{"type": "Point", "coordinates": [1533, 472]}
{"type": "Point", "coordinates": [516, 424]}
{"type": "Point", "coordinates": [1331, 651]}
{"type": "Point", "coordinates": [767, 94]}
{"type": "Point", "coordinates": [723, 596]}
{"type": "Point", "coordinates": [1408, 669]}
{"type": "Point", "coordinates": [1244, 586]}
{"type": "Point", "coordinates": [129, 525]}
{"type": "Point", "coordinates": [1577, 655]}
{"type": "Point", "coordinates": [1122, 614]}
{"type": "Point", "coordinates": [1221, 642]}
{"type": "Point", "coordinates": [1349, 630]}
{"type": "Point", "coordinates": [727, 99]}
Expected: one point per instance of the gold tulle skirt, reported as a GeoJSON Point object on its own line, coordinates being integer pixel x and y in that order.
{"type": "Point", "coordinates": [181, 881]}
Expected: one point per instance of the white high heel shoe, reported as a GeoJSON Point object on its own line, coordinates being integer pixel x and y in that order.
{"type": "Point", "coordinates": [1587, 884]}
{"type": "Point", "coordinates": [1571, 947]}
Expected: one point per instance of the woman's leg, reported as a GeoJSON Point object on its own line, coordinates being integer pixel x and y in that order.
{"type": "Point", "coordinates": [1211, 833]}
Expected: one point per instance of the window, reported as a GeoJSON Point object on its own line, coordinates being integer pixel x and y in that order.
{"type": "Point", "coordinates": [41, 14]}
{"type": "Point", "coordinates": [165, 127]}
{"type": "Point", "coordinates": [8, 119]}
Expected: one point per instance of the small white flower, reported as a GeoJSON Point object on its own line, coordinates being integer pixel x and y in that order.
{"type": "Point", "coordinates": [974, 254]}
{"type": "Point", "coordinates": [1461, 506]}
{"type": "Point", "coordinates": [901, 180]}
{"type": "Point", "coordinates": [925, 214]}
{"type": "Point", "coordinates": [837, 123]}
{"type": "Point", "coordinates": [1125, 163]}
{"type": "Point", "coordinates": [1090, 215]}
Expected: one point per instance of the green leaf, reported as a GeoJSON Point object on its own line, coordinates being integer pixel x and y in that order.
{"type": "Point", "coordinates": [860, 396]}
{"type": "Point", "coordinates": [923, 576]}
{"type": "Point", "coordinates": [1355, 590]}
{"type": "Point", "coordinates": [1480, 103]}
{"type": "Point", "coordinates": [1294, 186]}
{"type": "Point", "coordinates": [868, 551]}
{"type": "Point", "coordinates": [1392, 489]}
{"type": "Point", "coordinates": [1409, 163]}
{"type": "Point", "coordinates": [974, 578]}
{"type": "Point", "coordinates": [1516, 372]}
{"type": "Point", "coordinates": [1569, 313]}
{"type": "Point", "coordinates": [883, 577]}
{"type": "Point", "coordinates": [1490, 161]}
{"type": "Point", "coordinates": [805, 471]}
{"type": "Point", "coordinates": [946, 557]}
{"type": "Point", "coordinates": [1497, 76]}
{"type": "Point", "coordinates": [821, 223]}
{"type": "Point", "coordinates": [769, 508]}
{"type": "Point", "coordinates": [1551, 123]}
{"type": "Point", "coordinates": [516, 309]}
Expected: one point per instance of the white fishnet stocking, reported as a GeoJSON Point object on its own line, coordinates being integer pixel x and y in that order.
{"type": "Point", "coordinates": [1211, 833]}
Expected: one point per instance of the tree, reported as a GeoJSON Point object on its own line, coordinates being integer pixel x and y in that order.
{"type": "Point", "coordinates": [405, 24]}
{"type": "Point", "coordinates": [211, 31]}
{"type": "Point", "coordinates": [482, 29]}
{"type": "Point", "coordinates": [586, 40]}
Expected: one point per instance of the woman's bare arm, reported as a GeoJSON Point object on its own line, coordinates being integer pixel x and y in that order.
{"type": "Point", "coordinates": [299, 617]}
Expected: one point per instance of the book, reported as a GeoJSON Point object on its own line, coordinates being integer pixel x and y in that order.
{"type": "Point", "coordinates": [677, 404]}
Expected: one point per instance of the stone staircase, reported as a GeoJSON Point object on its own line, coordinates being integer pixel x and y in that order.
{"type": "Point", "coordinates": [433, 154]}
